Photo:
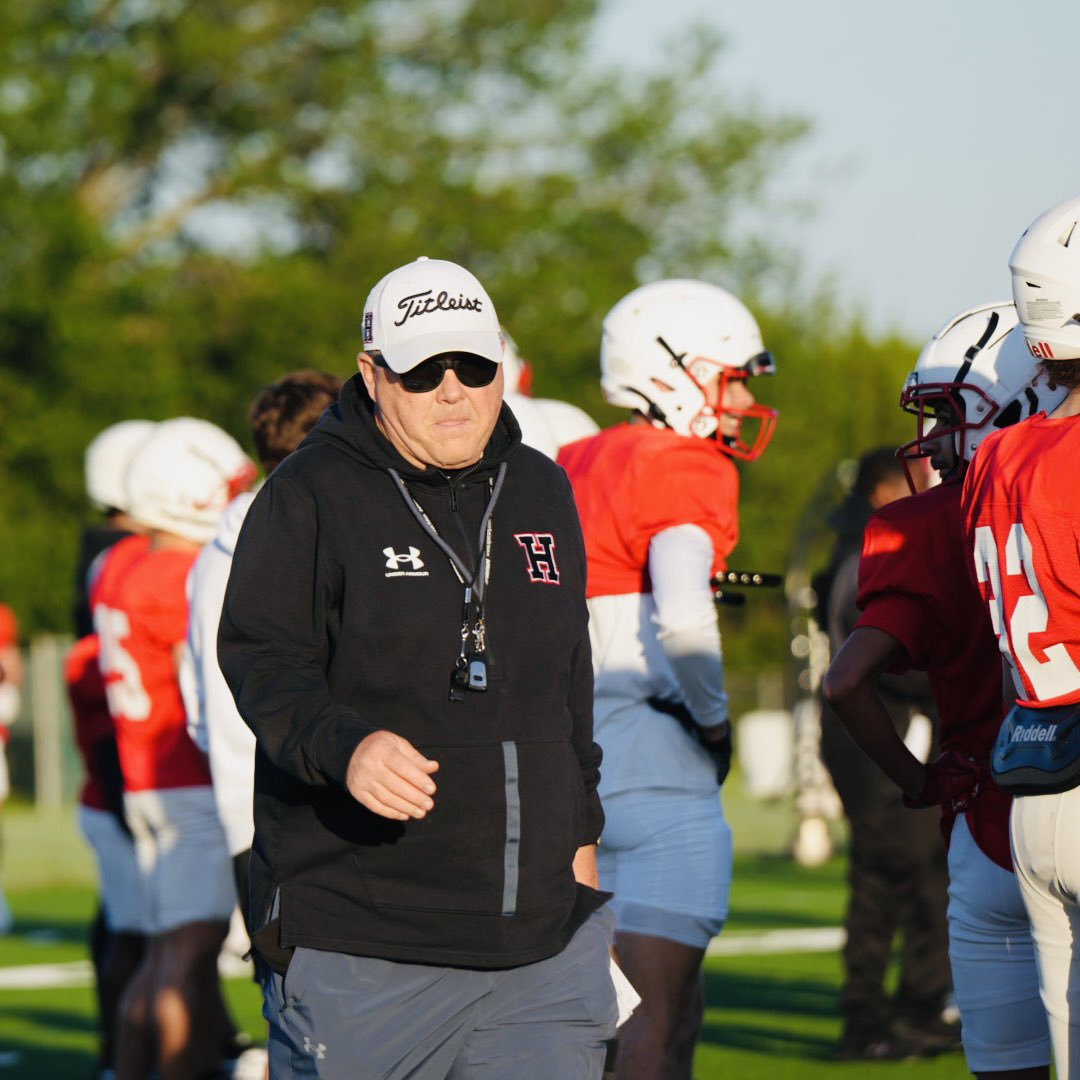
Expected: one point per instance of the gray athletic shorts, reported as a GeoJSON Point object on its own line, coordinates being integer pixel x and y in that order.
{"type": "Point", "coordinates": [667, 857]}
{"type": "Point", "coordinates": [337, 1016]}
{"type": "Point", "coordinates": [993, 962]}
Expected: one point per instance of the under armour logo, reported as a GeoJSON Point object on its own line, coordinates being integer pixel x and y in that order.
{"type": "Point", "coordinates": [394, 560]}
{"type": "Point", "coordinates": [539, 550]}
{"type": "Point", "coordinates": [316, 1050]}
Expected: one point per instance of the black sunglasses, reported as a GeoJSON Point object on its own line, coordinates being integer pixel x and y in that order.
{"type": "Point", "coordinates": [472, 371]}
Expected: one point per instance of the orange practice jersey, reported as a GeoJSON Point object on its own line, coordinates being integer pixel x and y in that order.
{"type": "Point", "coordinates": [1022, 521]}
{"type": "Point", "coordinates": [914, 586]}
{"type": "Point", "coordinates": [9, 627]}
{"type": "Point", "coordinates": [633, 481]}
{"type": "Point", "coordinates": [140, 614]}
{"type": "Point", "coordinates": [9, 635]}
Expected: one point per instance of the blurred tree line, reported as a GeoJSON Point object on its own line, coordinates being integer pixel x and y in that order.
{"type": "Point", "coordinates": [196, 195]}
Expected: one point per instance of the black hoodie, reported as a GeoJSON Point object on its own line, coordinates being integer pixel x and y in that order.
{"type": "Point", "coordinates": [343, 617]}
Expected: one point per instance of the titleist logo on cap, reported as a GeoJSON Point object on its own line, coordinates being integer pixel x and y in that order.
{"type": "Point", "coordinates": [424, 303]}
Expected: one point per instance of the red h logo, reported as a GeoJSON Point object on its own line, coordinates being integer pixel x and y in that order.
{"type": "Point", "coordinates": [539, 551]}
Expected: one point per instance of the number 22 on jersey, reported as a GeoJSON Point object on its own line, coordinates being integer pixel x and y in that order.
{"type": "Point", "coordinates": [1053, 677]}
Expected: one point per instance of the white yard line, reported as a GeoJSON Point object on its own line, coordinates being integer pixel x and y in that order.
{"type": "Point", "coordinates": [80, 973]}
{"type": "Point", "coordinates": [46, 976]}
{"type": "Point", "coordinates": [816, 939]}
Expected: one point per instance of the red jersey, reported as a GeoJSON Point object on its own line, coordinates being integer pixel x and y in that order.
{"type": "Point", "coordinates": [85, 682]}
{"type": "Point", "coordinates": [915, 587]}
{"type": "Point", "coordinates": [140, 614]}
{"type": "Point", "coordinates": [633, 481]}
{"type": "Point", "coordinates": [9, 635]}
{"type": "Point", "coordinates": [1022, 522]}
{"type": "Point", "coordinates": [9, 627]}
{"type": "Point", "coordinates": [90, 712]}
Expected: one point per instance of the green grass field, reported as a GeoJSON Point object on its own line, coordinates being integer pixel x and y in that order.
{"type": "Point", "coordinates": [771, 1015]}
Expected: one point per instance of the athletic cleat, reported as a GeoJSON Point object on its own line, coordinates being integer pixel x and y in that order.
{"type": "Point", "coordinates": [937, 1034]}
{"type": "Point", "coordinates": [890, 1045]}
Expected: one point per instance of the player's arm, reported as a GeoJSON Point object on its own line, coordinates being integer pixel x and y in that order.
{"type": "Point", "coordinates": [681, 560]}
{"type": "Point", "coordinates": [191, 663]}
{"type": "Point", "coordinates": [680, 567]}
{"type": "Point", "coordinates": [11, 667]}
{"type": "Point", "coordinates": [850, 688]}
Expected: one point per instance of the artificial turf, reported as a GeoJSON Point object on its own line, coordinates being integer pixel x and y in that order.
{"type": "Point", "coordinates": [772, 1015]}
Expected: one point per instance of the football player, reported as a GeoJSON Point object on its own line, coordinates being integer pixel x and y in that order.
{"type": "Point", "coordinates": [116, 936]}
{"type": "Point", "coordinates": [281, 415]}
{"type": "Point", "coordinates": [546, 424]}
{"type": "Point", "coordinates": [658, 499]}
{"type": "Point", "coordinates": [920, 610]}
{"type": "Point", "coordinates": [1022, 519]}
{"type": "Point", "coordinates": [11, 674]}
{"type": "Point", "coordinates": [897, 877]}
{"type": "Point", "coordinates": [178, 483]}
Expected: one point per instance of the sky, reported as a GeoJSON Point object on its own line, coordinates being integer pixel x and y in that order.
{"type": "Point", "coordinates": [940, 130]}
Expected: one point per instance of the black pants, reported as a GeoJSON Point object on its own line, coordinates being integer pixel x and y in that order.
{"type": "Point", "coordinates": [898, 885]}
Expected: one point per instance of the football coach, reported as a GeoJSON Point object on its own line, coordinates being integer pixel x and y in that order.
{"type": "Point", "coordinates": [405, 631]}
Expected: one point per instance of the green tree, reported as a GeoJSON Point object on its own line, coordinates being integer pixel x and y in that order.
{"type": "Point", "coordinates": [195, 195]}
{"type": "Point", "coordinates": [837, 390]}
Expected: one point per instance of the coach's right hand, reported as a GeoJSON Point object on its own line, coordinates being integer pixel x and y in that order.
{"type": "Point", "coordinates": [389, 776]}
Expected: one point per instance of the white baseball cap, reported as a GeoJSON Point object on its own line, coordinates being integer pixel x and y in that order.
{"type": "Point", "coordinates": [429, 307]}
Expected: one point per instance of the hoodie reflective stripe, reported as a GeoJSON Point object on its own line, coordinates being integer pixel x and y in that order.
{"type": "Point", "coordinates": [512, 850]}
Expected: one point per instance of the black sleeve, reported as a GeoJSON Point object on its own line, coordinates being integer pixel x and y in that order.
{"type": "Point", "coordinates": [586, 748]}
{"type": "Point", "coordinates": [272, 642]}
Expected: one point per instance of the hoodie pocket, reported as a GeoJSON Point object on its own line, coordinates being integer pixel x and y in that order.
{"type": "Point", "coordinates": [453, 859]}
{"type": "Point", "coordinates": [503, 832]}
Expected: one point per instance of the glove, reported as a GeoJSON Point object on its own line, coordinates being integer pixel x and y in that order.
{"type": "Point", "coordinates": [953, 780]}
{"type": "Point", "coordinates": [720, 752]}
{"type": "Point", "coordinates": [718, 749]}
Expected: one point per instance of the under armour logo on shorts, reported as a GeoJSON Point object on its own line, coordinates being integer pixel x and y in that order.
{"type": "Point", "coordinates": [316, 1050]}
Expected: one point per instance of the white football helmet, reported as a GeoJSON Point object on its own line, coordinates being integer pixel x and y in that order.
{"type": "Point", "coordinates": [106, 460]}
{"type": "Point", "coordinates": [517, 371]}
{"type": "Point", "coordinates": [975, 375]}
{"type": "Point", "coordinates": [1045, 267]}
{"type": "Point", "coordinates": [664, 342]}
{"type": "Point", "coordinates": [183, 477]}
{"type": "Point", "coordinates": [568, 423]}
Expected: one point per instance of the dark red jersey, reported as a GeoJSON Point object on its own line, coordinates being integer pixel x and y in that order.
{"type": "Point", "coordinates": [90, 713]}
{"type": "Point", "coordinates": [914, 586]}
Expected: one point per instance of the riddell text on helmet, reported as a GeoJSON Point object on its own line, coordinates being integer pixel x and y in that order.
{"type": "Point", "coordinates": [1043, 733]}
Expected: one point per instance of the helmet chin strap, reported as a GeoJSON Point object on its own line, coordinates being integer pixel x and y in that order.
{"type": "Point", "coordinates": [652, 412]}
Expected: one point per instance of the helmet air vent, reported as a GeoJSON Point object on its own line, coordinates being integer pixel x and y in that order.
{"type": "Point", "coordinates": [1067, 235]}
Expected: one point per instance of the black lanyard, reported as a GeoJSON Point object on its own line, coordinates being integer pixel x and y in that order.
{"type": "Point", "coordinates": [470, 668]}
